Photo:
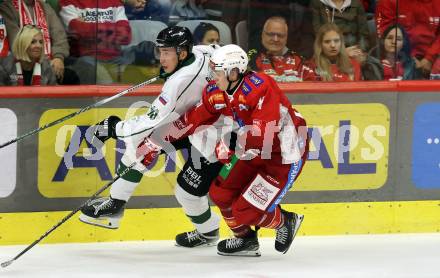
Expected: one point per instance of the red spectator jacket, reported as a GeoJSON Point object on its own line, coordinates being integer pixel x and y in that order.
{"type": "Point", "coordinates": [4, 44]}
{"type": "Point", "coordinates": [388, 70]}
{"type": "Point", "coordinates": [95, 31]}
{"type": "Point", "coordinates": [284, 68]}
{"type": "Point", "coordinates": [420, 18]}
{"type": "Point", "coordinates": [310, 72]}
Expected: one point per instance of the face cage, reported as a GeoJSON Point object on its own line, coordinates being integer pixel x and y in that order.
{"type": "Point", "coordinates": [212, 71]}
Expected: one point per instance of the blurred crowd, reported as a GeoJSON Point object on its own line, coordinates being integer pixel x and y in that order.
{"type": "Point", "coordinates": [71, 42]}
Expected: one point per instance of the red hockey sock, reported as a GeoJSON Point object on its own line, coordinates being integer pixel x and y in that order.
{"type": "Point", "coordinates": [272, 220]}
{"type": "Point", "coordinates": [239, 230]}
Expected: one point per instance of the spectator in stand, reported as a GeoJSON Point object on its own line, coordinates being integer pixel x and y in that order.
{"type": "Point", "coordinates": [158, 10]}
{"type": "Point", "coordinates": [421, 20]}
{"type": "Point", "coordinates": [298, 16]}
{"type": "Point", "coordinates": [274, 58]}
{"type": "Point", "coordinates": [27, 65]}
{"type": "Point", "coordinates": [96, 31]}
{"type": "Point", "coordinates": [4, 42]}
{"type": "Point", "coordinates": [187, 10]}
{"type": "Point", "coordinates": [206, 33]}
{"type": "Point", "coordinates": [18, 13]}
{"type": "Point", "coordinates": [331, 62]}
{"type": "Point", "coordinates": [391, 59]}
{"type": "Point", "coordinates": [350, 17]}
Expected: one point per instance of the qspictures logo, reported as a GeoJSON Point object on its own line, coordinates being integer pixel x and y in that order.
{"type": "Point", "coordinates": [8, 155]}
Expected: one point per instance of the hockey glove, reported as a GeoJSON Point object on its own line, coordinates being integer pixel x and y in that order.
{"type": "Point", "coordinates": [148, 150]}
{"type": "Point", "coordinates": [223, 152]}
{"type": "Point", "coordinates": [105, 130]}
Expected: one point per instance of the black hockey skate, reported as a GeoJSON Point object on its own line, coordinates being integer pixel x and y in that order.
{"type": "Point", "coordinates": [287, 232]}
{"type": "Point", "coordinates": [237, 246]}
{"type": "Point", "coordinates": [197, 239]}
{"type": "Point", "coordinates": [103, 212]}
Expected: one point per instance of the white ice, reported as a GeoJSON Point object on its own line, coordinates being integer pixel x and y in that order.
{"type": "Point", "coordinates": [369, 256]}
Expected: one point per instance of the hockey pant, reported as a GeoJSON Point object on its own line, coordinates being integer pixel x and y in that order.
{"type": "Point", "coordinates": [248, 192]}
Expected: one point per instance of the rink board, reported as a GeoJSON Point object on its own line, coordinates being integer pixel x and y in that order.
{"type": "Point", "coordinates": [373, 165]}
{"type": "Point", "coordinates": [164, 224]}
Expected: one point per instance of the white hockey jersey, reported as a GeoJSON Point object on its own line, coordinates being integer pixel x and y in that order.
{"type": "Point", "coordinates": [182, 91]}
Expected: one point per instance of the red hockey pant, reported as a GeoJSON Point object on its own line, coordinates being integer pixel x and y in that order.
{"type": "Point", "coordinates": [249, 193]}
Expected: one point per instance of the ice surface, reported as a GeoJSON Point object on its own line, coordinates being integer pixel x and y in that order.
{"type": "Point", "coordinates": [369, 256]}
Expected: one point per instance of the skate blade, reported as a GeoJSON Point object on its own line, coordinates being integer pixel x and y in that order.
{"type": "Point", "coordinates": [197, 246]}
{"type": "Point", "coordinates": [298, 222]}
{"type": "Point", "coordinates": [104, 221]}
{"type": "Point", "coordinates": [253, 253]}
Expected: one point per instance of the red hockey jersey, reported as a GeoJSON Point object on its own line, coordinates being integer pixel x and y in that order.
{"type": "Point", "coordinates": [261, 110]}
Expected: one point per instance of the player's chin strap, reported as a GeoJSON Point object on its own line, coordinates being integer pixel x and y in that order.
{"type": "Point", "coordinates": [230, 90]}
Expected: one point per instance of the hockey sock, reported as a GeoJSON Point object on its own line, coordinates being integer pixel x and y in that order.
{"type": "Point", "coordinates": [197, 209]}
{"type": "Point", "coordinates": [124, 187]}
{"type": "Point", "coordinates": [239, 230]}
{"type": "Point", "coordinates": [206, 222]}
{"type": "Point", "coordinates": [272, 220]}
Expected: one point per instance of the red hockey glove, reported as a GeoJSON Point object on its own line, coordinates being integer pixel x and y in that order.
{"type": "Point", "coordinates": [223, 152]}
{"type": "Point", "coordinates": [149, 150]}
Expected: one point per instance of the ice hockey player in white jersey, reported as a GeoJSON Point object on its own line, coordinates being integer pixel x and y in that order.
{"type": "Point", "coordinates": [184, 68]}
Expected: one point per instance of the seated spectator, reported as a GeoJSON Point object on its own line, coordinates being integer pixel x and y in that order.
{"type": "Point", "coordinates": [4, 42]}
{"type": "Point", "coordinates": [187, 10]}
{"type": "Point", "coordinates": [298, 16]}
{"type": "Point", "coordinates": [158, 10]}
{"type": "Point", "coordinates": [206, 33]}
{"type": "Point", "coordinates": [18, 13]}
{"type": "Point", "coordinates": [421, 20]}
{"type": "Point", "coordinates": [27, 65]}
{"type": "Point", "coordinates": [95, 38]}
{"type": "Point", "coordinates": [349, 16]}
{"type": "Point", "coordinates": [392, 58]}
{"type": "Point", "coordinates": [275, 59]}
{"type": "Point", "coordinates": [330, 61]}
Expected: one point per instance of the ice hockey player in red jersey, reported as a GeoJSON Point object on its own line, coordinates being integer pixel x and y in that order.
{"type": "Point", "coordinates": [272, 149]}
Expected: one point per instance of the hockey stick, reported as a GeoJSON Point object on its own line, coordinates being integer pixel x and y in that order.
{"type": "Point", "coordinates": [7, 263]}
{"type": "Point", "coordinates": [97, 104]}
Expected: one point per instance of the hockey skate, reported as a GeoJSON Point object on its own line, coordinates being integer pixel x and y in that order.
{"type": "Point", "coordinates": [103, 212]}
{"type": "Point", "coordinates": [237, 246]}
{"type": "Point", "coordinates": [197, 239]}
{"type": "Point", "coordinates": [287, 232]}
